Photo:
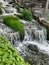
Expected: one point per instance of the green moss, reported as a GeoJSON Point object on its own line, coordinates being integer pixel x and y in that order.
{"type": "Point", "coordinates": [8, 54]}
{"type": "Point", "coordinates": [27, 14]}
{"type": "Point", "coordinates": [15, 24]}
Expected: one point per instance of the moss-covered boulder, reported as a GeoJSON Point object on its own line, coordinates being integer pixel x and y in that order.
{"type": "Point", "coordinates": [15, 24]}
{"type": "Point", "coordinates": [8, 54]}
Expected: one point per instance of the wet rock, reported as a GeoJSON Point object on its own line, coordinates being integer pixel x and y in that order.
{"type": "Point", "coordinates": [32, 47]}
{"type": "Point", "coordinates": [38, 13]}
{"type": "Point", "coordinates": [34, 57]}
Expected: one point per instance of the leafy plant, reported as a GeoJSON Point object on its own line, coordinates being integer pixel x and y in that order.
{"type": "Point", "coordinates": [8, 54]}
{"type": "Point", "coordinates": [15, 24]}
{"type": "Point", "coordinates": [27, 14]}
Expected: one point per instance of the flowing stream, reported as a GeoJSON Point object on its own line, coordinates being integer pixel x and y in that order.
{"type": "Point", "coordinates": [35, 34]}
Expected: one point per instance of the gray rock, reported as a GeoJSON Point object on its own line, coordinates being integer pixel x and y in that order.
{"type": "Point", "coordinates": [34, 57]}
{"type": "Point", "coordinates": [32, 47]}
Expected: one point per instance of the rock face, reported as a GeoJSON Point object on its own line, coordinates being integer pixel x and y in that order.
{"type": "Point", "coordinates": [32, 3]}
{"type": "Point", "coordinates": [35, 57]}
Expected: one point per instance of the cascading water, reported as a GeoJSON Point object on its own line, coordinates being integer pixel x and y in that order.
{"type": "Point", "coordinates": [34, 34]}
{"type": "Point", "coordinates": [37, 37]}
{"type": "Point", "coordinates": [7, 8]}
{"type": "Point", "coordinates": [27, 37]}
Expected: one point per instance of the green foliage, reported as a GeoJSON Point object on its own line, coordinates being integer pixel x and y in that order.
{"type": "Point", "coordinates": [27, 14]}
{"type": "Point", "coordinates": [15, 24]}
{"type": "Point", "coordinates": [0, 9]}
{"type": "Point", "coordinates": [8, 54]}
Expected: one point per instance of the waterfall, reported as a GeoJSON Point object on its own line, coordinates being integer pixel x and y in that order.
{"type": "Point", "coordinates": [27, 37]}
{"type": "Point", "coordinates": [35, 34]}
{"type": "Point", "coordinates": [15, 38]}
{"type": "Point", "coordinates": [32, 36]}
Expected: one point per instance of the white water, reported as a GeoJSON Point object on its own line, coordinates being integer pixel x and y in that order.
{"type": "Point", "coordinates": [39, 40]}
{"type": "Point", "coordinates": [44, 46]}
{"type": "Point", "coordinates": [8, 10]}
{"type": "Point", "coordinates": [33, 35]}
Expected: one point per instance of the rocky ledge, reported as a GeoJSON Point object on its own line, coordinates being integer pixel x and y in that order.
{"type": "Point", "coordinates": [34, 57]}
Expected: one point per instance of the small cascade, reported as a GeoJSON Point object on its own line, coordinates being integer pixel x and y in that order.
{"type": "Point", "coordinates": [34, 40]}
{"type": "Point", "coordinates": [9, 33]}
{"type": "Point", "coordinates": [35, 34]}
{"type": "Point", "coordinates": [27, 37]}
{"type": "Point", "coordinates": [15, 38]}
{"type": "Point", "coordinates": [39, 35]}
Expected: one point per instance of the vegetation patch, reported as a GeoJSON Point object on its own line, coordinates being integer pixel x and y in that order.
{"type": "Point", "coordinates": [27, 14]}
{"type": "Point", "coordinates": [8, 54]}
{"type": "Point", "coordinates": [15, 24]}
